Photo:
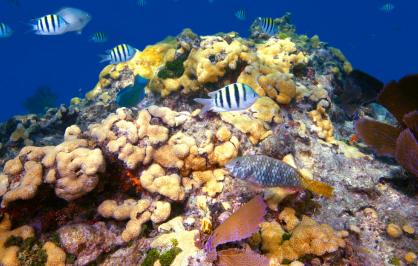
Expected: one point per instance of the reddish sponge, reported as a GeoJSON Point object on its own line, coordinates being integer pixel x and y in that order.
{"type": "Point", "coordinates": [400, 97]}
{"type": "Point", "coordinates": [380, 136]}
{"type": "Point", "coordinates": [407, 151]}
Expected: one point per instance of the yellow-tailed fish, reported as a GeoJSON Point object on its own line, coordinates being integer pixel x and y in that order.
{"type": "Point", "coordinates": [265, 171]}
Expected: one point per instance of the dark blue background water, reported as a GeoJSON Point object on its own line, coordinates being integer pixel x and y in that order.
{"type": "Point", "coordinates": [383, 44]}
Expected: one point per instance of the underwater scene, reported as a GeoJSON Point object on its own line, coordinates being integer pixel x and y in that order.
{"type": "Point", "coordinates": [208, 132]}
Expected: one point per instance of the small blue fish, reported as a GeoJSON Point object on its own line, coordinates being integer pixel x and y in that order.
{"type": "Point", "coordinates": [388, 7]}
{"type": "Point", "coordinates": [132, 95]}
{"type": "Point", "coordinates": [268, 26]}
{"type": "Point", "coordinates": [119, 53]}
{"type": "Point", "coordinates": [233, 97]}
{"type": "Point", "coordinates": [99, 37]}
{"type": "Point", "coordinates": [141, 3]}
{"type": "Point", "coordinates": [76, 18]}
{"type": "Point", "coordinates": [241, 14]}
{"type": "Point", "coordinates": [5, 31]}
{"type": "Point", "coordinates": [50, 25]}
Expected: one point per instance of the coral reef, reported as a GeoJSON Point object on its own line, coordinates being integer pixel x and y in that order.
{"type": "Point", "coordinates": [94, 184]}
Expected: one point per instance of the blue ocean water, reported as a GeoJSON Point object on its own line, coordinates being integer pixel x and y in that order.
{"type": "Point", "coordinates": [383, 44]}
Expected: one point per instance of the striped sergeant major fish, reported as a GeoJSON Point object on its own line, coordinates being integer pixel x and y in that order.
{"type": "Point", "coordinates": [5, 31]}
{"type": "Point", "coordinates": [388, 7]}
{"type": "Point", "coordinates": [120, 53]}
{"type": "Point", "coordinates": [268, 26]}
{"type": "Point", "coordinates": [50, 25]}
{"type": "Point", "coordinates": [99, 37]}
{"type": "Point", "coordinates": [240, 14]}
{"type": "Point", "coordinates": [233, 97]}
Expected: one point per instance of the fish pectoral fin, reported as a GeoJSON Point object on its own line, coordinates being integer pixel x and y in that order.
{"type": "Point", "coordinates": [317, 187]}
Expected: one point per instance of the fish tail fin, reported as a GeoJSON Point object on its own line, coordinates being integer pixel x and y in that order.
{"type": "Point", "coordinates": [207, 104]}
{"type": "Point", "coordinates": [104, 58]}
{"type": "Point", "coordinates": [317, 187]}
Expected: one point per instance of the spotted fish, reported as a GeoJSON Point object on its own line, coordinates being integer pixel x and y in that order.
{"type": "Point", "coordinates": [233, 97]}
{"type": "Point", "coordinates": [265, 171]}
{"type": "Point", "coordinates": [118, 54]}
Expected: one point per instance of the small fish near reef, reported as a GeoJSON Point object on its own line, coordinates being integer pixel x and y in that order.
{"type": "Point", "coordinates": [141, 3]}
{"type": "Point", "coordinates": [5, 31]}
{"type": "Point", "coordinates": [241, 14]}
{"type": "Point", "coordinates": [387, 8]}
{"type": "Point", "coordinates": [120, 53]}
{"type": "Point", "coordinates": [76, 18]}
{"type": "Point", "coordinates": [51, 24]}
{"type": "Point", "coordinates": [268, 26]}
{"type": "Point", "coordinates": [233, 97]}
{"type": "Point", "coordinates": [132, 95]}
{"type": "Point", "coordinates": [262, 170]}
{"type": "Point", "coordinates": [99, 37]}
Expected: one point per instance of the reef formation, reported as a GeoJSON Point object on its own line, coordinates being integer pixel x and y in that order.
{"type": "Point", "coordinates": [94, 184]}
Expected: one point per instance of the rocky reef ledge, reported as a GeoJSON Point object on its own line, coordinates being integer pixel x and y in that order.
{"type": "Point", "coordinates": [94, 184]}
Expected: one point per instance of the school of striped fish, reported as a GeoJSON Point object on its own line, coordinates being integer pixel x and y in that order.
{"type": "Point", "coordinates": [233, 97]}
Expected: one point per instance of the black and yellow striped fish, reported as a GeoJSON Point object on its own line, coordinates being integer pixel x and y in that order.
{"type": "Point", "coordinates": [120, 53]}
{"type": "Point", "coordinates": [99, 37]}
{"type": "Point", "coordinates": [268, 26]}
{"type": "Point", "coordinates": [50, 25]}
{"type": "Point", "coordinates": [233, 97]}
{"type": "Point", "coordinates": [5, 31]}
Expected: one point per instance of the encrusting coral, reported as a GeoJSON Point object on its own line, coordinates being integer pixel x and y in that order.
{"type": "Point", "coordinates": [185, 240]}
{"type": "Point", "coordinates": [72, 167]}
{"type": "Point", "coordinates": [307, 237]}
{"type": "Point", "coordinates": [139, 212]}
{"type": "Point", "coordinates": [9, 251]}
{"type": "Point", "coordinates": [154, 179]}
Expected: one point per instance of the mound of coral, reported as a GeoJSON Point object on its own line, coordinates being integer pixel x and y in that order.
{"type": "Point", "coordinates": [94, 184]}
